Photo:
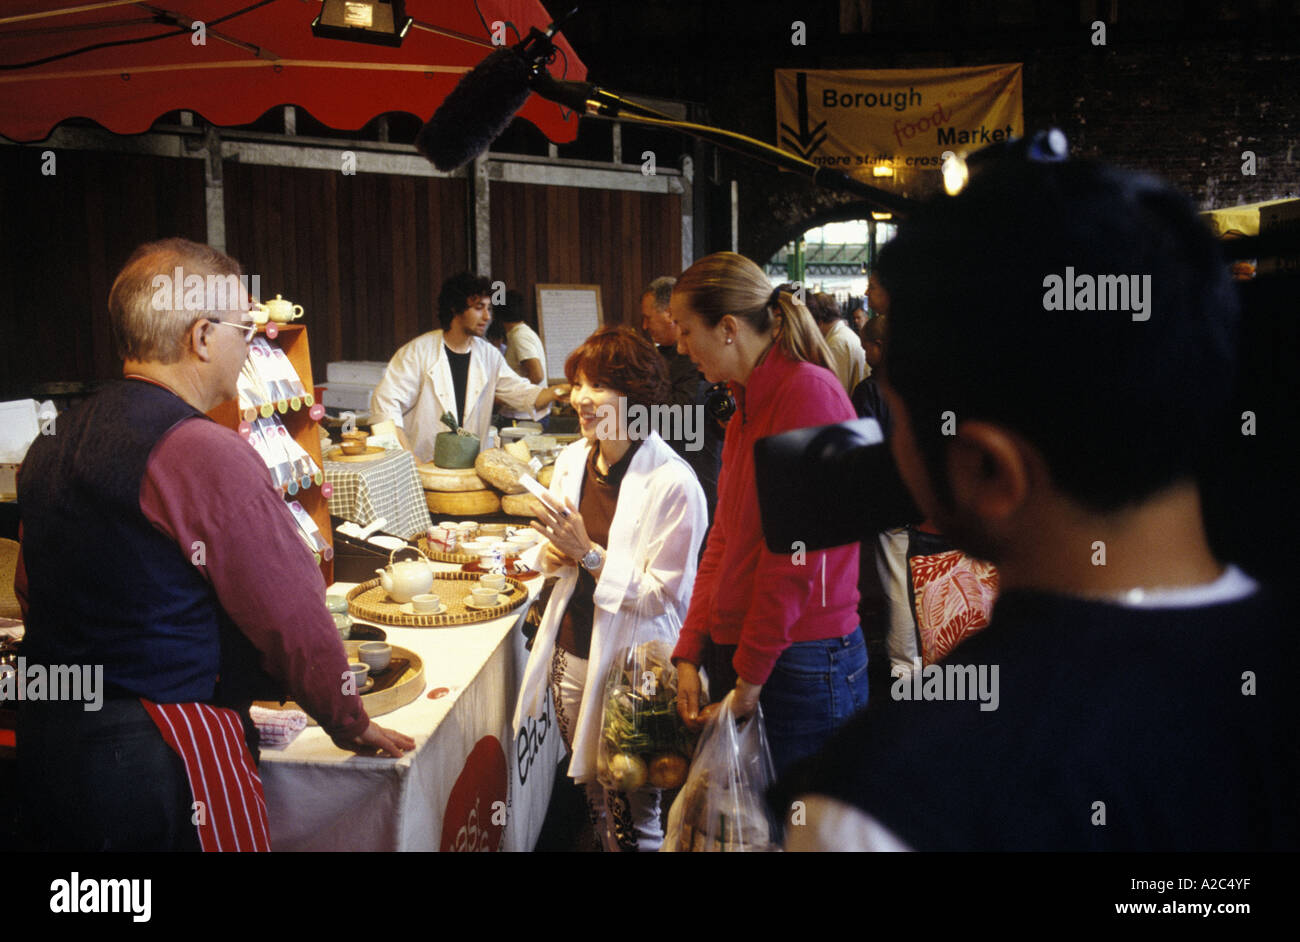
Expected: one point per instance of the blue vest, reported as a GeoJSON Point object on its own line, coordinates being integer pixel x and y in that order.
{"type": "Point", "coordinates": [105, 586]}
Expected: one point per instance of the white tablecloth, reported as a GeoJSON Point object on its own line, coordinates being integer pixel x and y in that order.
{"type": "Point", "coordinates": [468, 785]}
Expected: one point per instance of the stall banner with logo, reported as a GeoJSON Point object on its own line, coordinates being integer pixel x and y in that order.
{"type": "Point", "coordinates": [856, 119]}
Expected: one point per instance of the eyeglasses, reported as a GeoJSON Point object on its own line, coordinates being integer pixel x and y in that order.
{"type": "Point", "coordinates": [248, 329]}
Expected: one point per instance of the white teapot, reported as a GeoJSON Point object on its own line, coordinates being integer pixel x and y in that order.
{"type": "Point", "coordinates": [405, 580]}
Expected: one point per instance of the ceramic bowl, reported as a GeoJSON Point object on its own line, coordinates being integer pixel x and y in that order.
{"type": "Point", "coordinates": [376, 655]}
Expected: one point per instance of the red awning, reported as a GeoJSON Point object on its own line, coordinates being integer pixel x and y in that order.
{"type": "Point", "coordinates": [253, 61]}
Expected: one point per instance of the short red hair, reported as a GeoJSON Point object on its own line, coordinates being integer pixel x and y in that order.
{"type": "Point", "coordinates": [621, 359]}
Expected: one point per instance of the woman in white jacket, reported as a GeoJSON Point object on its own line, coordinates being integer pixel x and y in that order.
{"type": "Point", "coordinates": [625, 542]}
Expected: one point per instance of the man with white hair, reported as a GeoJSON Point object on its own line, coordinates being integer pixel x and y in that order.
{"type": "Point", "coordinates": [156, 548]}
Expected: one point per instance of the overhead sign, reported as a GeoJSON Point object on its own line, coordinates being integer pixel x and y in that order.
{"type": "Point", "coordinates": [858, 119]}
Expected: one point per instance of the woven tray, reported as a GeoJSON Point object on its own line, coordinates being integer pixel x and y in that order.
{"type": "Point", "coordinates": [394, 693]}
{"type": "Point", "coordinates": [443, 557]}
{"type": "Point", "coordinates": [371, 602]}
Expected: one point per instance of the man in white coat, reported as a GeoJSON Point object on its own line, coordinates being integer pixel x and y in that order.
{"type": "Point", "coordinates": [453, 370]}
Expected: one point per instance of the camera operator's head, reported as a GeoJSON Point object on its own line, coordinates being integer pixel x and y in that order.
{"type": "Point", "coordinates": [1061, 349]}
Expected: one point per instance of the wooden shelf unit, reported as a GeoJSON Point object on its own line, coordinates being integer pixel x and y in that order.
{"type": "Point", "coordinates": [292, 339]}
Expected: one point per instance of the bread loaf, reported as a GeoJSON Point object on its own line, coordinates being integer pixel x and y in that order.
{"type": "Point", "coordinates": [434, 478]}
{"type": "Point", "coordinates": [502, 470]}
{"type": "Point", "coordinates": [464, 504]}
{"type": "Point", "coordinates": [521, 505]}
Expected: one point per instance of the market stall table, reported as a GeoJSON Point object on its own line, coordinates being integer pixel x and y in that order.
{"type": "Point", "coordinates": [467, 785]}
{"type": "Point", "coordinates": [386, 486]}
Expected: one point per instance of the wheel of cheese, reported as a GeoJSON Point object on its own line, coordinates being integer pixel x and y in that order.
{"type": "Point", "coordinates": [435, 478]}
{"type": "Point", "coordinates": [521, 505]}
{"type": "Point", "coordinates": [519, 450]}
{"type": "Point", "coordinates": [464, 503]}
{"type": "Point", "coordinates": [544, 476]}
{"type": "Point", "coordinates": [502, 470]}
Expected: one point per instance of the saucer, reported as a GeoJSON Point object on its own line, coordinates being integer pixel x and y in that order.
{"type": "Point", "coordinates": [408, 609]}
{"type": "Point", "coordinates": [470, 603]}
{"type": "Point", "coordinates": [370, 682]}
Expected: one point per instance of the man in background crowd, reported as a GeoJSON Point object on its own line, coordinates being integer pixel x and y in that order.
{"type": "Point", "coordinates": [524, 351]}
{"type": "Point", "coordinates": [848, 362]}
{"type": "Point", "coordinates": [689, 388]}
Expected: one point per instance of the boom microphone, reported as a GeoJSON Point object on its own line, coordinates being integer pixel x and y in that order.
{"type": "Point", "coordinates": [484, 101]}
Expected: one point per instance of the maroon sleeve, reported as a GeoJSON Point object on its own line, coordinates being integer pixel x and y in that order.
{"type": "Point", "coordinates": [207, 489]}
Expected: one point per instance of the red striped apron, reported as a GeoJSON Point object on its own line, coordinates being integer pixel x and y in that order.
{"type": "Point", "coordinates": [210, 741]}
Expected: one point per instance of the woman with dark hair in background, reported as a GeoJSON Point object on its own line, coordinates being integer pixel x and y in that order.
{"type": "Point", "coordinates": [782, 627]}
{"type": "Point", "coordinates": [632, 517]}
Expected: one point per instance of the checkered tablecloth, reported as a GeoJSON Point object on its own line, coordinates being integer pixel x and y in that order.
{"type": "Point", "coordinates": [387, 487]}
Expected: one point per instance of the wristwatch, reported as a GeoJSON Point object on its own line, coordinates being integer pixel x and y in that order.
{"type": "Point", "coordinates": [594, 559]}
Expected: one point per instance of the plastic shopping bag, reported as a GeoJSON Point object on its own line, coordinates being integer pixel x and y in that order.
{"type": "Point", "coordinates": [643, 741]}
{"type": "Point", "coordinates": [722, 806]}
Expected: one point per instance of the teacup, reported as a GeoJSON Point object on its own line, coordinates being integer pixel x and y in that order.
{"type": "Point", "coordinates": [336, 603]}
{"type": "Point", "coordinates": [472, 547]}
{"type": "Point", "coordinates": [487, 539]}
{"type": "Point", "coordinates": [376, 655]}
{"type": "Point", "coordinates": [343, 622]}
{"type": "Point", "coordinates": [426, 604]}
{"type": "Point", "coordinates": [492, 580]}
{"type": "Point", "coordinates": [484, 596]}
{"type": "Point", "coordinates": [360, 673]}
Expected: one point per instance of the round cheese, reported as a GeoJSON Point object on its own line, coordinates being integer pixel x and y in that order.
{"type": "Point", "coordinates": [521, 505]}
{"type": "Point", "coordinates": [434, 478]}
{"type": "Point", "coordinates": [544, 476]}
{"type": "Point", "coordinates": [502, 470]}
{"type": "Point", "coordinates": [463, 504]}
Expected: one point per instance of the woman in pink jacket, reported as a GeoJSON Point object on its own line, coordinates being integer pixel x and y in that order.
{"type": "Point", "coordinates": [782, 627]}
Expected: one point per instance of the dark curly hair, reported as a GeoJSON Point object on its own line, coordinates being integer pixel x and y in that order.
{"type": "Point", "coordinates": [456, 294]}
{"type": "Point", "coordinates": [621, 359]}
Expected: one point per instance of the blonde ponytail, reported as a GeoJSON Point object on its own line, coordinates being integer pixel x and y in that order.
{"type": "Point", "coordinates": [797, 332]}
{"type": "Point", "coordinates": [726, 283]}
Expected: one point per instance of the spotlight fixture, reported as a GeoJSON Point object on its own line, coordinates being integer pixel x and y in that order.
{"type": "Point", "coordinates": [881, 217]}
{"type": "Point", "coordinates": [882, 170]}
{"type": "Point", "coordinates": [379, 22]}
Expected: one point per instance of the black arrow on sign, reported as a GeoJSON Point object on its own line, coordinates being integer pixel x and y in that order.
{"type": "Point", "coordinates": [804, 142]}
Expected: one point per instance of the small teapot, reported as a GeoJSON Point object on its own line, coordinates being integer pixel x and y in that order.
{"type": "Point", "coordinates": [405, 580]}
{"type": "Point", "coordinates": [278, 310]}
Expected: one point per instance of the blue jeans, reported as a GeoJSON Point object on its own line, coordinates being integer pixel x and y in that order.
{"type": "Point", "coordinates": [813, 689]}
